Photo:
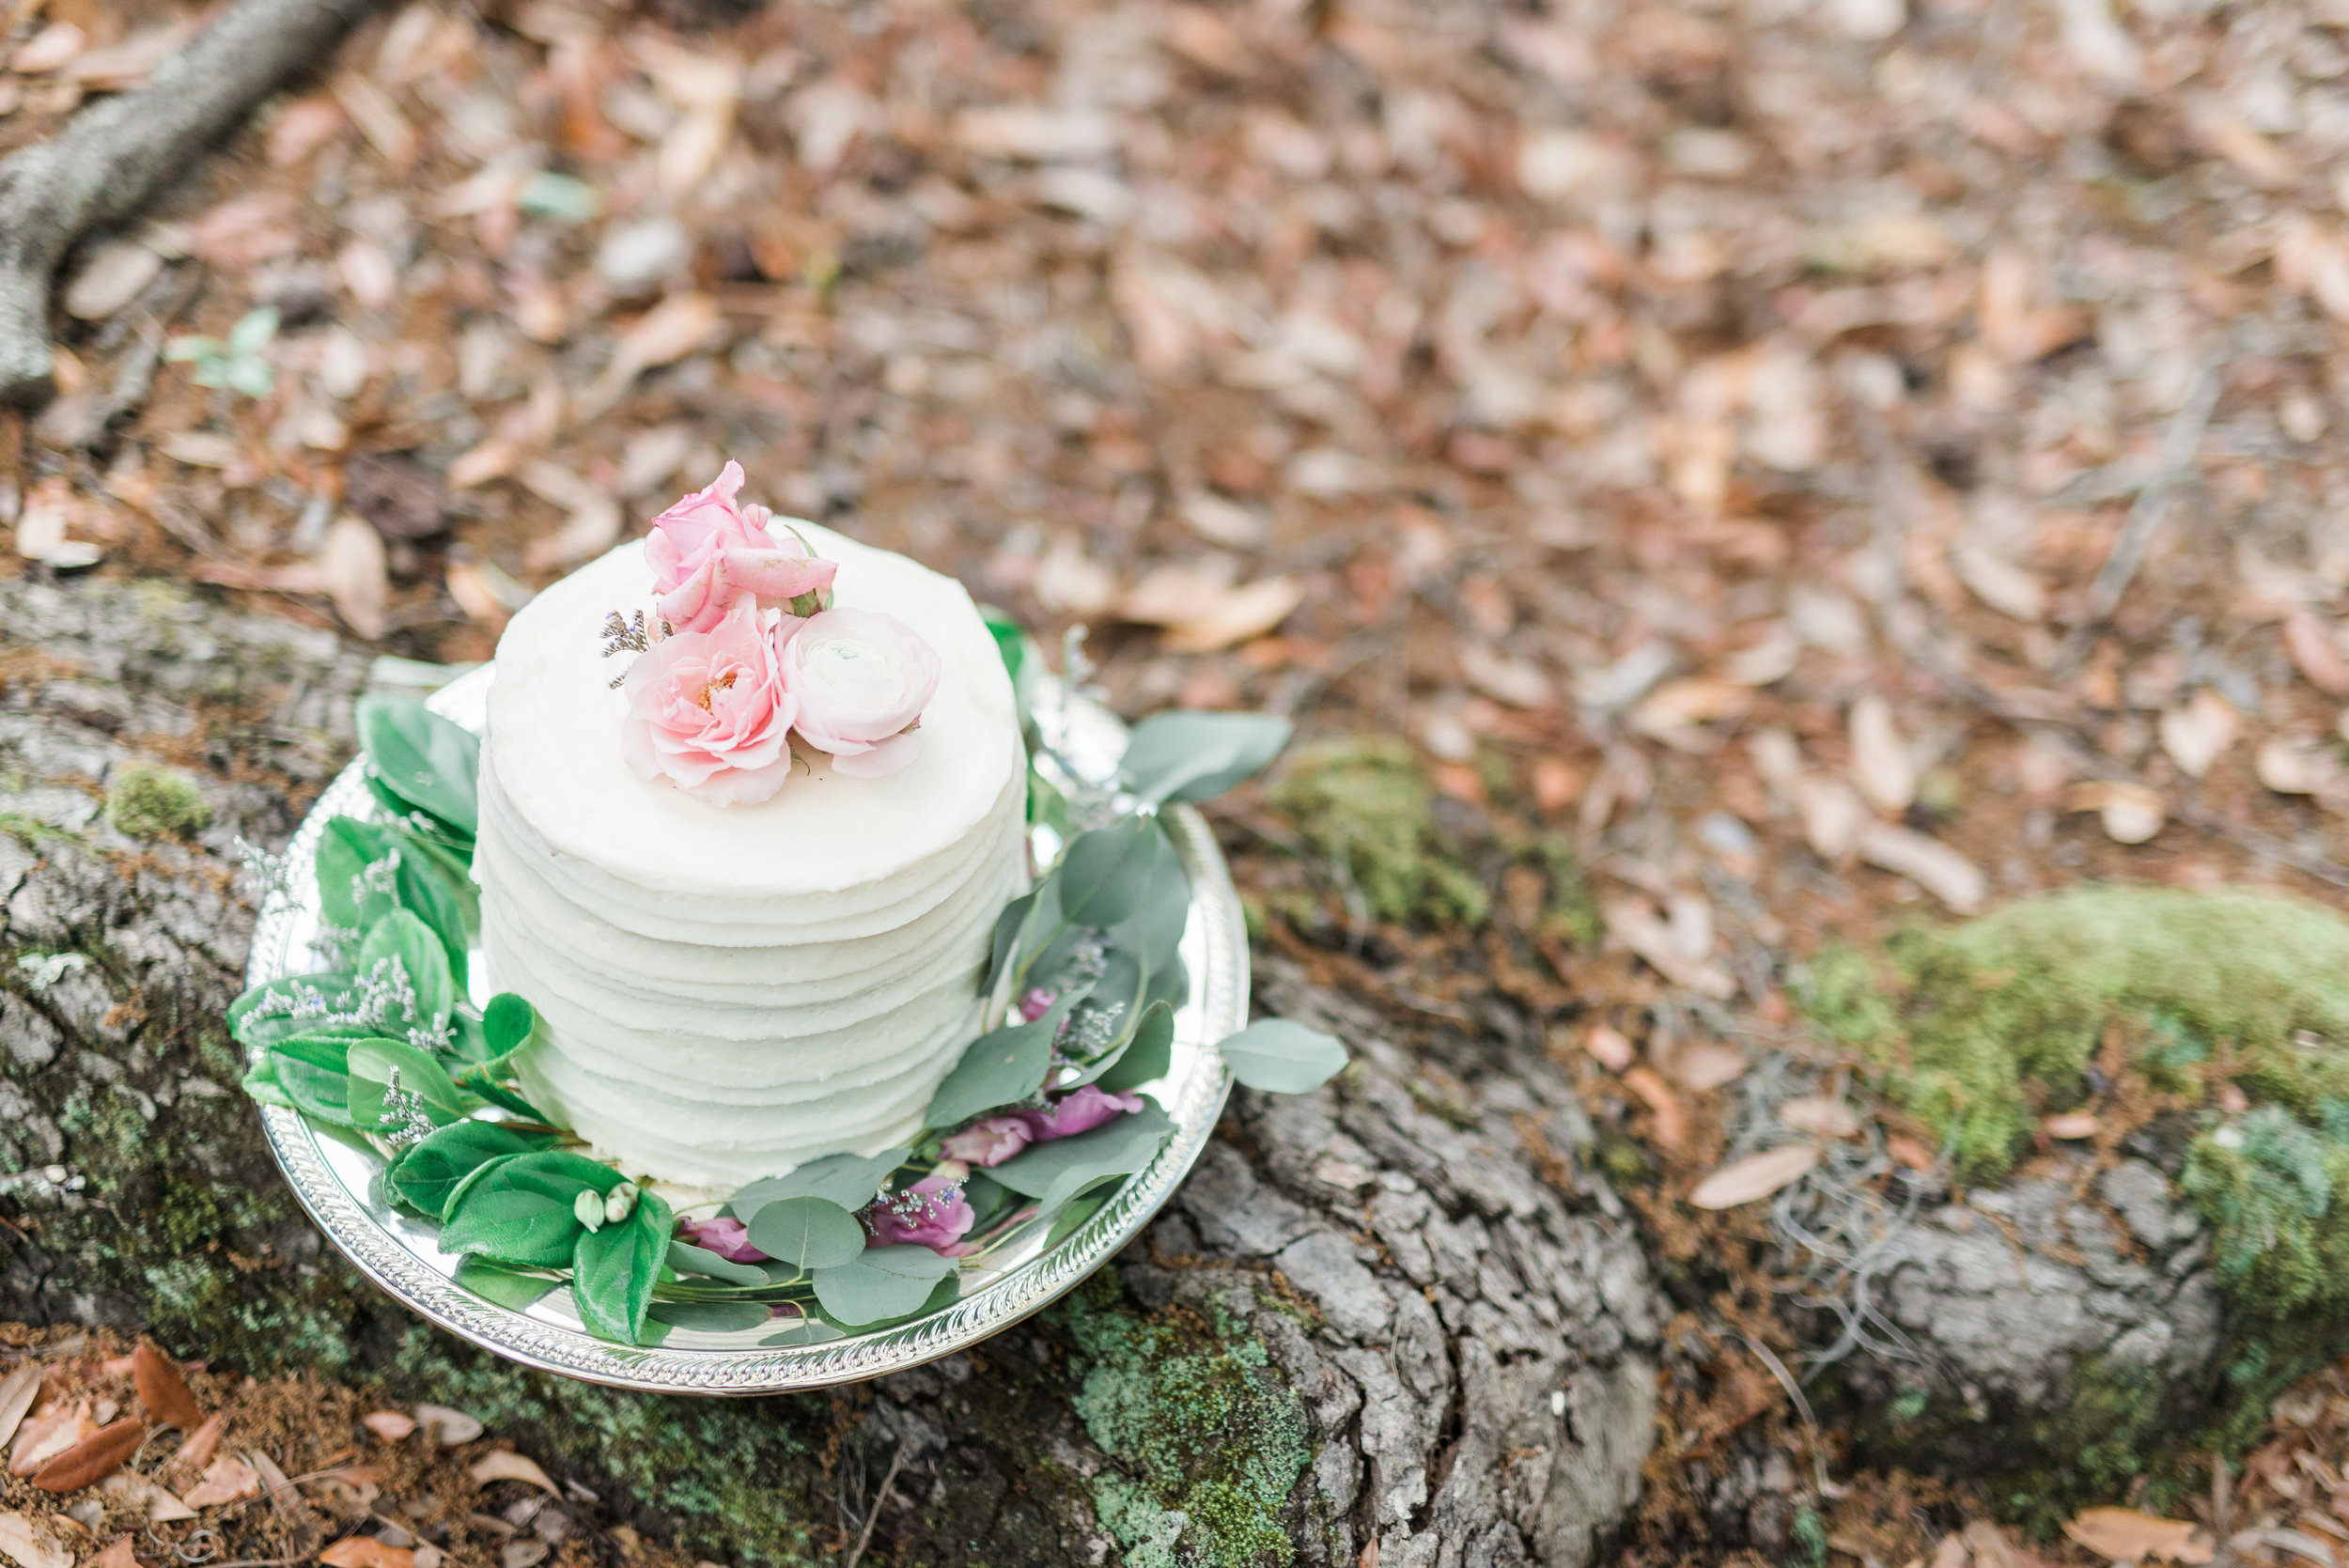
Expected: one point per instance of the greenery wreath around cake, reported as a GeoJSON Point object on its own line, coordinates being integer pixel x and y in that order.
{"type": "Point", "coordinates": [1038, 1124]}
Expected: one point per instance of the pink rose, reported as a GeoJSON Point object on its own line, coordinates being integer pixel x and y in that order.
{"type": "Point", "coordinates": [705, 552]}
{"type": "Point", "coordinates": [996, 1138]}
{"type": "Point", "coordinates": [709, 712]}
{"type": "Point", "coordinates": [932, 1214]}
{"type": "Point", "coordinates": [861, 680]}
{"type": "Point", "coordinates": [729, 1238]}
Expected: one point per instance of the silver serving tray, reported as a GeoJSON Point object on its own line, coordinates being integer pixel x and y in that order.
{"type": "Point", "coordinates": [342, 1185]}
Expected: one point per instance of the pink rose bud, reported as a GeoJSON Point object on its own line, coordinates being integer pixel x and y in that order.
{"type": "Point", "coordinates": [1081, 1110]}
{"type": "Point", "coordinates": [705, 552]}
{"type": "Point", "coordinates": [862, 678]}
{"type": "Point", "coordinates": [933, 1213]}
{"type": "Point", "coordinates": [991, 1142]}
{"type": "Point", "coordinates": [1036, 1004]}
{"type": "Point", "coordinates": [727, 1237]}
{"type": "Point", "coordinates": [709, 712]}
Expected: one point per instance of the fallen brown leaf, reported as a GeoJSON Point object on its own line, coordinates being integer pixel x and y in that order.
{"type": "Point", "coordinates": [1607, 1046]}
{"type": "Point", "coordinates": [505, 1465]}
{"type": "Point", "coordinates": [49, 1434]}
{"type": "Point", "coordinates": [357, 574]}
{"type": "Point", "coordinates": [200, 1446]}
{"type": "Point", "coordinates": [163, 1390]}
{"type": "Point", "coordinates": [2315, 654]}
{"type": "Point", "coordinates": [16, 1392]}
{"type": "Point", "coordinates": [2071, 1125]}
{"type": "Point", "coordinates": [1880, 764]}
{"type": "Point", "coordinates": [1755, 1177]}
{"type": "Point", "coordinates": [1829, 1115]}
{"type": "Point", "coordinates": [365, 1551]}
{"type": "Point", "coordinates": [447, 1427]}
{"type": "Point", "coordinates": [161, 1504]}
{"type": "Point", "coordinates": [1672, 1121]}
{"type": "Point", "coordinates": [1706, 1066]}
{"type": "Point", "coordinates": [30, 1545]}
{"type": "Point", "coordinates": [390, 1425]}
{"type": "Point", "coordinates": [227, 1479]}
{"type": "Point", "coordinates": [96, 1456]}
{"type": "Point", "coordinates": [2125, 1535]}
{"type": "Point", "coordinates": [1238, 615]}
{"type": "Point", "coordinates": [118, 1554]}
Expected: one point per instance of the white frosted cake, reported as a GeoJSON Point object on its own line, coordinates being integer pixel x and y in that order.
{"type": "Point", "coordinates": [726, 990]}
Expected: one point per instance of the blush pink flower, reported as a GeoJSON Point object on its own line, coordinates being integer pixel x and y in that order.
{"type": "Point", "coordinates": [933, 1213]}
{"type": "Point", "coordinates": [705, 552]}
{"type": "Point", "coordinates": [727, 1237]}
{"type": "Point", "coordinates": [861, 680]}
{"type": "Point", "coordinates": [709, 712]}
{"type": "Point", "coordinates": [995, 1139]}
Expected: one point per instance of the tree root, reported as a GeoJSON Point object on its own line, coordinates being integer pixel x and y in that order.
{"type": "Point", "coordinates": [104, 165]}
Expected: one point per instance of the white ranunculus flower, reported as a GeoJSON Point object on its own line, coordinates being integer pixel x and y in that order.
{"type": "Point", "coordinates": [861, 680]}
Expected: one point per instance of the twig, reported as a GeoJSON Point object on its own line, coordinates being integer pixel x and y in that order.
{"type": "Point", "coordinates": [864, 1539]}
{"type": "Point", "coordinates": [2179, 445]}
{"type": "Point", "coordinates": [105, 165]}
{"type": "Point", "coordinates": [1802, 1408]}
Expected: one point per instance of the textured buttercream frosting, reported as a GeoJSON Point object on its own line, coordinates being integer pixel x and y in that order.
{"type": "Point", "coordinates": [725, 992]}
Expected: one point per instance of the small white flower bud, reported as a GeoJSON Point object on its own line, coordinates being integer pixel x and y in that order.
{"type": "Point", "coordinates": [590, 1209]}
{"type": "Point", "coordinates": [621, 1203]}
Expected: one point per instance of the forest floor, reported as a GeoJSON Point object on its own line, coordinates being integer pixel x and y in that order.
{"type": "Point", "coordinates": [1807, 468]}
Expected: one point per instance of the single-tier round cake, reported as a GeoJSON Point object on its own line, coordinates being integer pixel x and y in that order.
{"type": "Point", "coordinates": [727, 990]}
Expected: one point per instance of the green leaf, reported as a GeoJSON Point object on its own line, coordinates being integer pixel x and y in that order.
{"type": "Point", "coordinates": [353, 897]}
{"type": "Point", "coordinates": [313, 1071]}
{"type": "Point", "coordinates": [613, 1271]}
{"type": "Point", "coordinates": [1054, 1172]}
{"type": "Point", "coordinates": [1196, 756]}
{"type": "Point", "coordinates": [1072, 1218]}
{"type": "Point", "coordinates": [989, 1200]}
{"type": "Point", "coordinates": [429, 1174]}
{"type": "Point", "coordinates": [480, 1081]}
{"type": "Point", "coordinates": [812, 1330]}
{"type": "Point", "coordinates": [401, 938]}
{"type": "Point", "coordinates": [812, 1232]}
{"type": "Point", "coordinates": [426, 760]}
{"type": "Point", "coordinates": [519, 1210]}
{"type": "Point", "coordinates": [885, 1281]}
{"type": "Point", "coordinates": [1000, 1068]}
{"type": "Point", "coordinates": [315, 1004]}
{"type": "Point", "coordinates": [191, 347]}
{"type": "Point", "coordinates": [420, 1074]}
{"type": "Point", "coordinates": [704, 1317]}
{"type": "Point", "coordinates": [249, 374]}
{"type": "Point", "coordinates": [505, 1287]}
{"type": "Point", "coordinates": [261, 1084]}
{"type": "Point", "coordinates": [506, 1022]}
{"type": "Point", "coordinates": [1105, 875]}
{"type": "Point", "coordinates": [254, 329]}
{"type": "Point", "coordinates": [1148, 1055]}
{"type": "Point", "coordinates": [1153, 933]}
{"type": "Point", "coordinates": [1008, 926]}
{"type": "Point", "coordinates": [686, 1258]}
{"type": "Point", "coordinates": [850, 1181]}
{"type": "Point", "coordinates": [1283, 1058]}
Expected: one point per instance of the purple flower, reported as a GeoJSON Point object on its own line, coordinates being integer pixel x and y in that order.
{"type": "Point", "coordinates": [933, 1213]}
{"type": "Point", "coordinates": [1035, 1004]}
{"type": "Point", "coordinates": [996, 1138]}
{"type": "Point", "coordinates": [729, 1238]}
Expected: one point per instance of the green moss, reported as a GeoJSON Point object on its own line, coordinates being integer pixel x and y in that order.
{"type": "Point", "coordinates": [156, 802]}
{"type": "Point", "coordinates": [1210, 1438]}
{"type": "Point", "coordinates": [1984, 1026]}
{"type": "Point", "coordinates": [1571, 914]}
{"type": "Point", "coordinates": [1367, 809]}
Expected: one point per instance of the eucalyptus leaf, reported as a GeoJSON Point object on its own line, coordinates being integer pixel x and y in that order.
{"type": "Point", "coordinates": [883, 1283]}
{"type": "Point", "coordinates": [686, 1258]}
{"type": "Point", "coordinates": [1054, 1172]}
{"type": "Point", "coordinates": [989, 1200]}
{"type": "Point", "coordinates": [613, 1271]}
{"type": "Point", "coordinates": [811, 1330]}
{"type": "Point", "coordinates": [428, 1175]}
{"type": "Point", "coordinates": [704, 1317]}
{"type": "Point", "coordinates": [1153, 933]}
{"type": "Point", "coordinates": [1008, 926]}
{"type": "Point", "coordinates": [1148, 1055]}
{"type": "Point", "coordinates": [1196, 756]}
{"type": "Point", "coordinates": [850, 1181]}
{"type": "Point", "coordinates": [814, 1233]}
{"type": "Point", "coordinates": [1283, 1058]}
{"type": "Point", "coordinates": [400, 938]}
{"type": "Point", "coordinates": [519, 1210]}
{"type": "Point", "coordinates": [424, 759]}
{"type": "Point", "coordinates": [1000, 1068]}
{"type": "Point", "coordinates": [507, 1287]}
{"type": "Point", "coordinates": [1105, 875]}
{"type": "Point", "coordinates": [1070, 1220]}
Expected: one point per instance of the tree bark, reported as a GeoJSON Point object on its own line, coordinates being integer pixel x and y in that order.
{"type": "Point", "coordinates": [1372, 1314]}
{"type": "Point", "coordinates": [105, 166]}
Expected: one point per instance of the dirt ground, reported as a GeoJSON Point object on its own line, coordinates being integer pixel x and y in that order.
{"type": "Point", "coordinates": [1829, 465]}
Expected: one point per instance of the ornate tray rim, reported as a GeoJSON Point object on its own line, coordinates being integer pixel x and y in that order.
{"type": "Point", "coordinates": [1216, 945]}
